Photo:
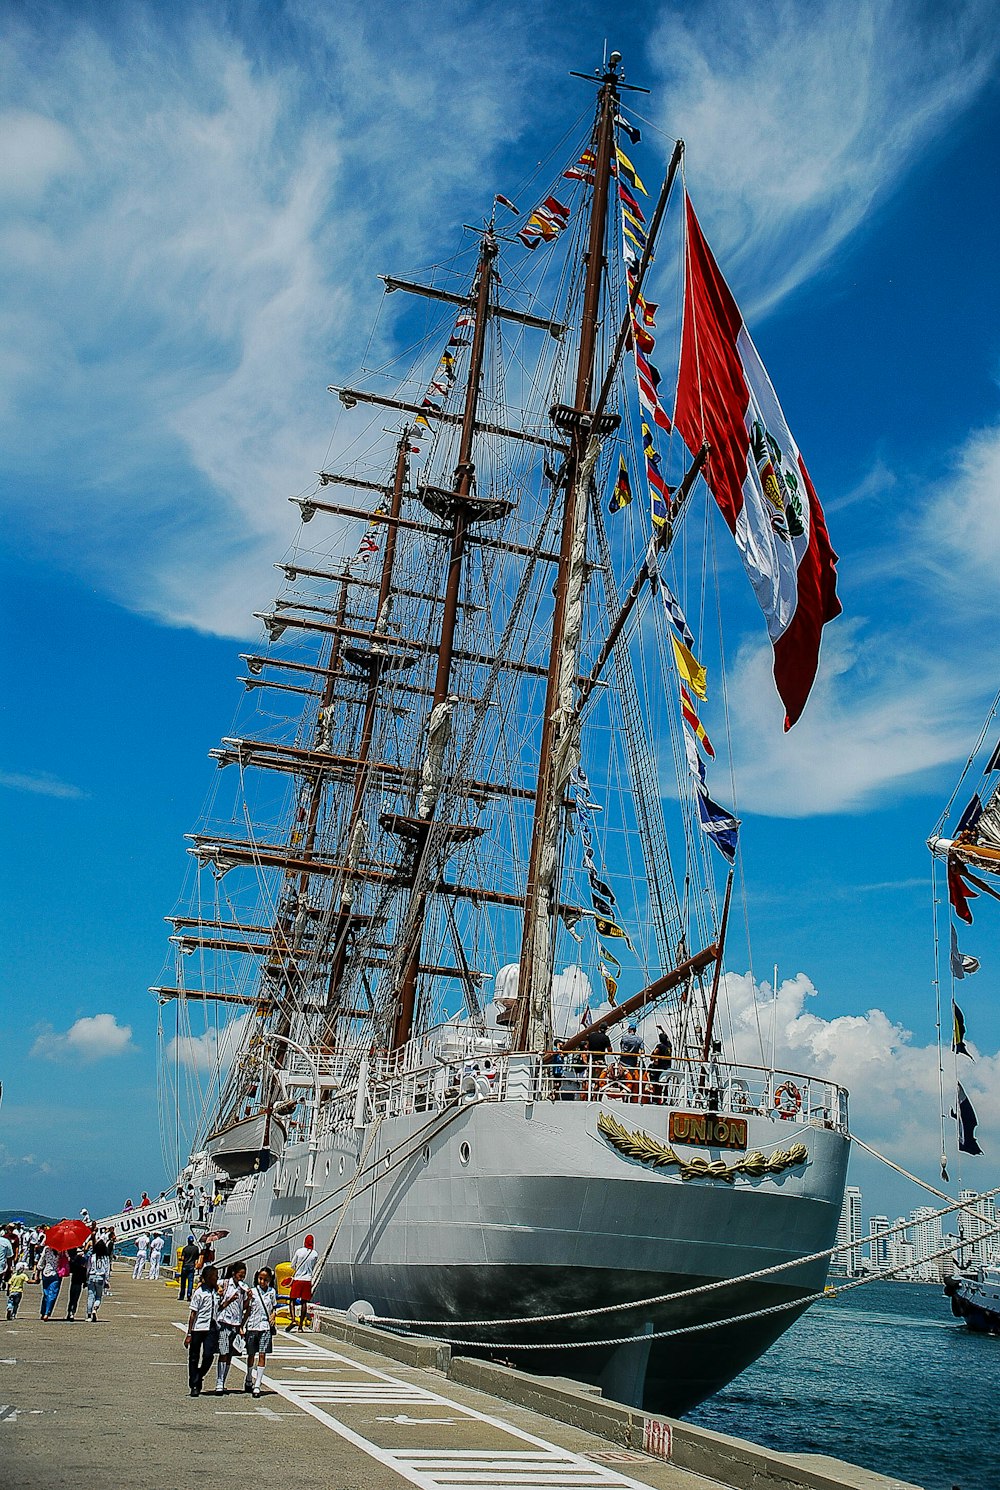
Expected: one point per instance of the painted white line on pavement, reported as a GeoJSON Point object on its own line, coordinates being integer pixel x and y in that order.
{"type": "Point", "coordinates": [548, 1467]}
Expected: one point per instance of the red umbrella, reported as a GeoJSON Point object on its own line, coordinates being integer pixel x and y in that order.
{"type": "Point", "coordinates": [66, 1234]}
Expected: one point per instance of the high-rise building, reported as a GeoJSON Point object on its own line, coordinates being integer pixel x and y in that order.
{"type": "Point", "coordinates": [878, 1245]}
{"type": "Point", "coordinates": [900, 1248]}
{"type": "Point", "coordinates": [981, 1218]}
{"type": "Point", "coordinates": [850, 1231]}
{"type": "Point", "coordinates": [926, 1235]}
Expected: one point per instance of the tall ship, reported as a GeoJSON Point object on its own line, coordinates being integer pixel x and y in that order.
{"type": "Point", "coordinates": [446, 990]}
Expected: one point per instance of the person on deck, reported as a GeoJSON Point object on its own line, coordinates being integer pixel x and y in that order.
{"type": "Point", "coordinates": [631, 1050]}
{"type": "Point", "coordinates": [660, 1061]}
{"type": "Point", "coordinates": [304, 1262]}
{"type": "Point", "coordinates": [202, 1336]}
{"type": "Point", "coordinates": [189, 1262]}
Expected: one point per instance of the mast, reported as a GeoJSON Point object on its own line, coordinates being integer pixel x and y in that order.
{"type": "Point", "coordinates": [417, 830]}
{"type": "Point", "coordinates": [558, 739]}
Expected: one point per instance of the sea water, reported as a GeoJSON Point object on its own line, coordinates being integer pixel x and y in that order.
{"type": "Point", "coordinates": [883, 1376]}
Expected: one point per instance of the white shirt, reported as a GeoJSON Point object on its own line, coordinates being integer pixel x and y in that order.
{"type": "Point", "coordinates": [231, 1305]}
{"type": "Point", "coordinates": [6, 1252]}
{"type": "Point", "coordinates": [203, 1307]}
{"type": "Point", "coordinates": [263, 1302]}
{"type": "Point", "coordinates": [304, 1261]}
{"type": "Point", "coordinates": [142, 1245]}
{"type": "Point", "coordinates": [157, 1244]}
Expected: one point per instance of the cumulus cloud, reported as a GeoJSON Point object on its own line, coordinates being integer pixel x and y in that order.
{"type": "Point", "coordinates": [212, 1051]}
{"type": "Point", "coordinates": [892, 1080]}
{"type": "Point", "coordinates": [23, 1163]}
{"type": "Point", "coordinates": [805, 117]}
{"type": "Point", "coordinates": [95, 1037]}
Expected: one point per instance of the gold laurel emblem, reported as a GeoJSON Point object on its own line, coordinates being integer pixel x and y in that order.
{"type": "Point", "coordinates": [649, 1150]}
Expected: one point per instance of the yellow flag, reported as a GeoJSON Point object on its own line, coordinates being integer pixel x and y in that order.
{"type": "Point", "coordinates": [690, 668]}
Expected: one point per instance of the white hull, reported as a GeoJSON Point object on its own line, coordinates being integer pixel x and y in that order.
{"type": "Point", "coordinates": [518, 1209]}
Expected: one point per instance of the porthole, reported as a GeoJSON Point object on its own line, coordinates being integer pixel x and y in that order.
{"type": "Point", "coordinates": [340, 1167]}
{"type": "Point", "coordinates": [387, 1161]}
{"type": "Point", "coordinates": [327, 1167]}
{"type": "Point", "coordinates": [465, 1153]}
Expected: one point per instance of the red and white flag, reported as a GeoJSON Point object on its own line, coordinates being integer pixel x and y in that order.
{"type": "Point", "coordinates": [755, 473]}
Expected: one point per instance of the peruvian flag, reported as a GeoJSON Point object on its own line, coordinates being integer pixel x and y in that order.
{"type": "Point", "coordinates": [755, 473]}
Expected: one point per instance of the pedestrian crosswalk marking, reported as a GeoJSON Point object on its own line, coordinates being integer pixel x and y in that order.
{"type": "Point", "coordinates": [535, 1465]}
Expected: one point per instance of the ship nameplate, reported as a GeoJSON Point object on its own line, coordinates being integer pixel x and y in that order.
{"type": "Point", "coordinates": [646, 1149]}
{"type": "Point", "coordinates": [710, 1129]}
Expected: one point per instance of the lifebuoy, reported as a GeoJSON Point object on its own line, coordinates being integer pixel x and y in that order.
{"type": "Point", "coordinates": [788, 1090]}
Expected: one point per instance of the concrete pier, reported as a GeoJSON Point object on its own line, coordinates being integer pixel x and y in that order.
{"type": "Point", "coordinates": [95, 1406]}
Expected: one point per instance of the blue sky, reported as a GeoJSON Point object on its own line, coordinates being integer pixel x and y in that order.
{"type": "Point", "coordinates": [194, 203]}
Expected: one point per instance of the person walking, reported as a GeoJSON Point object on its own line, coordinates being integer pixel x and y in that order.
{"type": "Point", "coordinates": [304, 1262]}
{"type": "Point", "coordinates": [15, 1288]}
{"type": "Point", "coordinates": [52, 1269]}
{"type": "Point", "coordinates": [155, 1257]}
{"type": "Point", "coordinates": [234, 1304]}
{"type": "Point", "coordinates": [77, 1279]}
{"type": "Point", "coordinates": [260, 1328]}
{"type": "Point", "coordinates": [190, 1253]}
{"type": "Point", "coordinates": [202, 1338]}
{"type": "Point", "coordinates": [141, 1253]}
{"type": "Point", "coordinates": [98, 1274]}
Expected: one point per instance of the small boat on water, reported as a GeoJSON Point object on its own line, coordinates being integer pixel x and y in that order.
{"type": "Point", "coordinates": [975, 1297]}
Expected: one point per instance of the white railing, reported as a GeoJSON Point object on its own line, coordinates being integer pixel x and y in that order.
{"type": "Point", "coordinates": [397, 1087]}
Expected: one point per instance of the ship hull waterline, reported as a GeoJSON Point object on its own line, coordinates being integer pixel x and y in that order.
{"type": "Point", "coordinates": [503, 1210]}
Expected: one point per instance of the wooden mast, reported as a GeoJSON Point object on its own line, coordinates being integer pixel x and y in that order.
{"type": "Point", "coordinates": [536, 949]}
{"type": "Point", "coordinates": [464, 476]}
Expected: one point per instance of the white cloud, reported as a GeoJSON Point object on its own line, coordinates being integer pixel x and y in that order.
{"type": "Point", "coordinates": [37, 151]}
{"type": "Point", "coordinates": [41, 784]}
{"type": "Point", "coordinates": [211, 1051]}
{"type": "Point", "coordinates": [892, 1081]}
{"type": "Point", "coordinates": [23, 1163]}
{"type": "Point", "coordinates": [800, 118]}
{"type": "Point", "coordinates": [179, 311]}
{"type": "Point", "coordinates": [95, 1037]}
{"type": "Point", "coordinates": [958, 537]}
{"type": "Point", "coordinates": [882, 712]}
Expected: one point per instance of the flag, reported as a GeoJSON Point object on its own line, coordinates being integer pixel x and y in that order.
{"type": "Point", "coordinates": [612, 929]}
{"type": "Point", "coordinates": [628, 170]}
{"type": "Point", "coordinates": [649, 382]}
{"type": "Point", "coordinates": [720, 825]}
{"type": "Point", "coordinates": [584, 168]}
{"type": "Point", "coordinates": [622, 494]}
{"type": "Point", "coordinates": [610, 986]}
{"type": "Point", "coordinates": [959, 893]}
{"type": "Point", "coordinates": [585, 1017]}
{"type": "Point", "coordinates": [690, 668]}
{"type": "Point", "coordinates": [677, 616]}
{"type": "Point", "coordinates": [545, 222]}
{"type": "Point", "coordinates": [961, 965]}
{"type": "Point", "coordinates": [958, 1030]}
{"type": "Point", "coordinates": [755, 473]}
{"type": "Point", "coordinates": [628, 200]}
{"type": "Point", "coordinates": [967, 1122]}
{"type": "Point", "coordinates": [506, 202]}
{"type": "Point", "coordinates": [690, 716]}
{"type": "Point", "coordinates": [630, 129]}
{"type": "Point", "coordinates": [970, 816]}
